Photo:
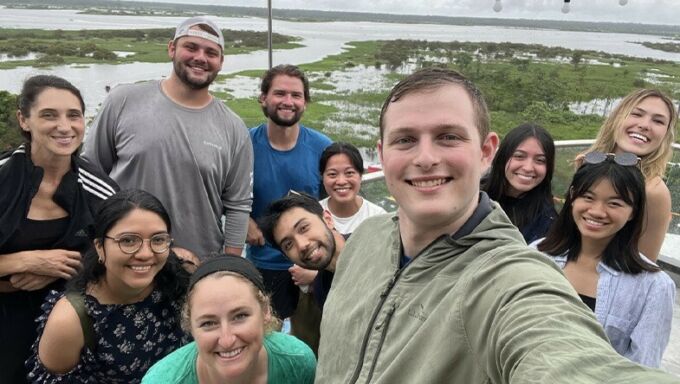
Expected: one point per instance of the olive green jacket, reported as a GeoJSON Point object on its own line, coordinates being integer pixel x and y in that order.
{"type": "Point", "coordinates": [483, 308]}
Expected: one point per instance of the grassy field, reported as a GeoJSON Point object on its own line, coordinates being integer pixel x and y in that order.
{"type": "Point", "coordinates": [518, 89]}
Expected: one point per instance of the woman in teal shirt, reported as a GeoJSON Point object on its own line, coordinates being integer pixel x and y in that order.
{"type": "Point", "coordinates": [231, 320]}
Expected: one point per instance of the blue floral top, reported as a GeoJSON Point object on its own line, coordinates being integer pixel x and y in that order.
{"type": "Point", "coordinates": [129, 339]}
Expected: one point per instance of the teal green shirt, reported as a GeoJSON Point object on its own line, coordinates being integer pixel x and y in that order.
{"type": "Point", "coordinates": [290, 362]}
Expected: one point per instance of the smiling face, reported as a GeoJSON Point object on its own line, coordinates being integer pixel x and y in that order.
{"type": "Point", "coordinates": [285, 101]}
{"type": "Point", "coordinates": [55, 123]}
{"type": "Point", "coordinates": [196, 61]}
{"type": "Point", "coordinates": [306, 239]}
{"type": "Point", "coordinates": [600, 213]}
{"type": "Point", "coordinates": [341, 180]}
{"type": "Point", "coordinates": [526, 168]}
{"type": "Point", "coordinates": [644, 129]}
{"type": "Point", "coordinates": [432, 157]}
{"type": "Point", "coordinates": [132, 275]}
{"type": "Point", "coordinates": [227, 322]}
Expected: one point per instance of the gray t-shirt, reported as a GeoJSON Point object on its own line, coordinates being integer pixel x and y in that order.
{"type": "Point", "coordinates": [198, 162]}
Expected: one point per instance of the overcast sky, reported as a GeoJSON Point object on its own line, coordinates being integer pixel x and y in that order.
{"type": "Point", "coordinates": [637, 11]}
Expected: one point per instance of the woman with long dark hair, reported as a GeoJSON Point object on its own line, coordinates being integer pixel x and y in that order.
{"type": "Point", "coordinates": [48, 197]}
{"type": "Point", "coordinates": [520, 179]}
{"type": "Point", "coordinates": [595, 241]}
{"type": "Point", "coordinates": [120, 314]}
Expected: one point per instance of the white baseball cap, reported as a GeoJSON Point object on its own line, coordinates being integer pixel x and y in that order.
{"type": "Point", "coordinates": [184, 29]}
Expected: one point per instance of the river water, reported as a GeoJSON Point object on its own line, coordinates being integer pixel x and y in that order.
{"type": "Point", "coordinates": [319, 39]}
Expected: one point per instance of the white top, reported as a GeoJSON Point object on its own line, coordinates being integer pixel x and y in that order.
{"type": "Point", "coordinates": [346, 225]}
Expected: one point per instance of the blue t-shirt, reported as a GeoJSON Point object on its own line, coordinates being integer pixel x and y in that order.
{"type": "Point", "coordinates": [277, 172]}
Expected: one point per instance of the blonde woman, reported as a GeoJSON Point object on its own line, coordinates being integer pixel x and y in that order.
{"type": "Point", "coordinates": [643, 123]}
{"type": "Point", "coordinates": [232, 322]}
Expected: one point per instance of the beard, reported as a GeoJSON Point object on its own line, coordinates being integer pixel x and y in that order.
{"type": "Point", "coordinates": [182, 73]}
{"type": "Point", "coordinates": [270, 111]}
{"type": "Point", "coordinates": [329, 245]}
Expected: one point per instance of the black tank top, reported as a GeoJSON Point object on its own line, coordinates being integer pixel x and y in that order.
{"type": "Point", "coordinates": [36, 234]}
{"type": "Point", "coordinates": [589, 301]}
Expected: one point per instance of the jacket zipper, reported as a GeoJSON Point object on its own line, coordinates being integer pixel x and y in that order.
{"type": "Point", "coordinates": [384, 325]}
{"type": "Point", "coordinates": [364, 343]}
{"type": "Point", "coordinates": [383, 298]}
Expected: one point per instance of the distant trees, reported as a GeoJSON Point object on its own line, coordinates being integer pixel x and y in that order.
{"type": "Point", "coordinates": [463, 59]}
{"type": "Point", "coordinates": [576, 58]}
{"type": "Point", "coordinates": [9, 132]}
{"type": "Point", "coordinates": [93, 43]}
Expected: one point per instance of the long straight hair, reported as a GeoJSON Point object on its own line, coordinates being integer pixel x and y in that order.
{"type": "Point", "coordinates": [653, 164]}
{"type": "Point", "coordinates": [622, 252]}
{"type": "Point", "coordinates": [496, 185]}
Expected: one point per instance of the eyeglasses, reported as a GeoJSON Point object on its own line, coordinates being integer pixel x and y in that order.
{"type": "Point", "coordinates": [625, 159]}
{"type": "Point", "coordinates": [131, 242]}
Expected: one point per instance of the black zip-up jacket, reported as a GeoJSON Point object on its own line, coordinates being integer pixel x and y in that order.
{"type": "Point", "coordinates": [80, 191]}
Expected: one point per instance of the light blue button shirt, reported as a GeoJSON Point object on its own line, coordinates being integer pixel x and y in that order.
{"type": "Point", "coordinates": [635, 310]}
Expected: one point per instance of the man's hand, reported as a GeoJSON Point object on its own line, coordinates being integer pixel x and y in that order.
{"type": "Point", "coordinates": [302, 276]}
{"type": "Point", "coordinates": [254, 236]}
{"type": "Point", "coordinates": [30, 281]}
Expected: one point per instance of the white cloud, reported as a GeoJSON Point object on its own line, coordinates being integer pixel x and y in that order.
{"type": "Point", "coordinates": [637, 11]}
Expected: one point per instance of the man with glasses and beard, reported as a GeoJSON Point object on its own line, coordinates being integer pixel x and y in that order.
{"type": "Point", "coordinates": [286, 158]}
{"type": "Point", "coordinates": [174, 139]}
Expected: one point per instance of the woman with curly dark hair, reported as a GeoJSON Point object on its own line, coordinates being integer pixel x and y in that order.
{"type": "Point", "coordinates": [120, 314]}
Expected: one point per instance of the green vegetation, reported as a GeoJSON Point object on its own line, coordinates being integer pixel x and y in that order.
{"type": "Point", "coordinates": [99, 46]}
{"type": "Point", "coordinates": [666, 47]}
{"type": "Point", "coordinates": [520, 82]}
{"type": "Point", "coordinates": [9, 132]}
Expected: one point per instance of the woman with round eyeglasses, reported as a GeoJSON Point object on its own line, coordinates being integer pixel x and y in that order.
{"type": "Point", "coordinates": [120, 314]}
{"type": "Point", "coordinates": [48, 197]}
{"type": "Point", "coordinates": [643, 123]}
{"type": "Point", "coordinates": [233, 325]}
{"type": "Point", "coordinates": [595, 241]}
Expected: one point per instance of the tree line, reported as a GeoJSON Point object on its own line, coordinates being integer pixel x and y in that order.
{"type": "Point", "coordinates": [54, 45]}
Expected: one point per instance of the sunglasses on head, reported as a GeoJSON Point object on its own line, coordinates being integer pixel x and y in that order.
{"type": "Point", "coordinates": [625, 159]}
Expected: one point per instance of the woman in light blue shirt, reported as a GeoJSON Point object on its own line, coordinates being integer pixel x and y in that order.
{"type": "Point", "coordinates": [595, 241]}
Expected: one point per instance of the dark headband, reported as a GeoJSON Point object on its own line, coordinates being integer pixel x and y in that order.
{"type": "Point", "coordinates": [230, 263]}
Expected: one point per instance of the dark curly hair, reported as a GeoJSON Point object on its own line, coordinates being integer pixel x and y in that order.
{"type": "Point", "coordinates": [172, 280]}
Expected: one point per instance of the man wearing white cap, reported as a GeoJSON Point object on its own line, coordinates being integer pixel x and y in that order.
{"type": "Point", "coordinates": [174, 139]}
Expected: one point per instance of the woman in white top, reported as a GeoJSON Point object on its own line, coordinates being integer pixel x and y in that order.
{"type": "Point", "coordinates": [341, 167]}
